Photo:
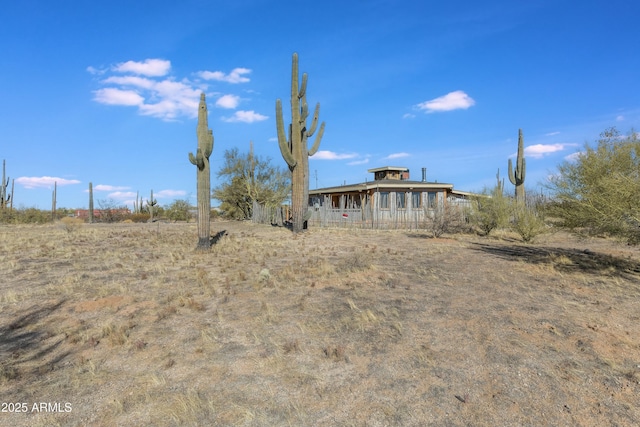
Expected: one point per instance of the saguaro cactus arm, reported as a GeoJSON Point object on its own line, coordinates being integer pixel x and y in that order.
{"type": "Point", "coordinates": [517, 177]}
{"type": "Point", "coordinates": [208, 149]}
{"type": "Point", "coordinates": [316, 142]}
{"type": "Point", "coordinates": [512, 177]}
{"type": "Point", "coordinates": [283, 143]}
{"type": "Point", "coordinates": [198, 159]}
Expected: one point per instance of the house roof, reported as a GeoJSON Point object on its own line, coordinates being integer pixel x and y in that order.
{"type": "Point", "coordinates": [388, 168]}
{"type": "Point", "coordinates": [463, 194]}
{"type": "Point", "coordinates": [383, 184]}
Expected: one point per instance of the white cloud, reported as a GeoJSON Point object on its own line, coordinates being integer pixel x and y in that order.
{"type": "Point", "coordinates": [397, 156]}
{"type": "Point", "coordinates": [141, 82]}
{"type": "Point", "coordinates": [148, 67]}
{"type": "Point", "coordinates": [170, 109]}
{"type": "Point", "coordinates": [166, 99]}
{"type": "Point", "coordinates": [330, 155]}
{"type": "Point", "coordinates": [620, 118]}
{"type": "Point", "coordinates": [44, 181]}
{"type": "Point", "coordinates": [408, 116]}
{"type": "Point", "coordinates": [537, 151]}
{"type": "Point", "coordinates": [358, 162]}
{"type": "Point", "coordinates": [235, 76]}
{"type": "Point", "coordinates": [121, 195]}
{"type": "Point", "coordinates": [573, 156]}
{"type": "Point", "coordinates": [114, 96]}
{"type": "Point", "coordinates": [245, 117]}
{"type": "Point", "coordinates": [551, 133]}
{"type": "Point", "coordinates": [94, 70]}
{"type": "Point", "coordinates": [452, 101]}
{"type": "Point", "coordinates": [228, 101]}
{"type": "Point", "coordinates": [104, 187]}
{"type": "Point", "coordinates": [175, 99]}
{"type": "Point", "coordinates": [148, 86]}
{"type": "Point", "coordinates": [163, 194]}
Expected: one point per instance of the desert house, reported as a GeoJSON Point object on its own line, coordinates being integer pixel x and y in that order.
{"type": "Point", "coordinates": [391, 200]}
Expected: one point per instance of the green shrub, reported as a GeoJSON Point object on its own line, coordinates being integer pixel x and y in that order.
{"type": "Point", "coordinates": [139, 217]}
{"type": "Point", "coordinates": [490, 210]}
{"type": "Point", "coordinates": [528, 222]}
{"type": "Point", "coordinates": [24, 216]}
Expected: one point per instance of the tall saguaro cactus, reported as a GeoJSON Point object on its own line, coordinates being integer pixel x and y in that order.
{"type": "Point", "coordinates": [151, 204]}
{"type": "Point", "coordinates": [517, 176]}
{"type": "Point", "coordinates": [54, 199]}
{"type": "Point", "coordinates": [203, 174]}
{"type": "Point", "coordinates": [91, 203]}
{"type": "Point", "coordinates": [137, 205]}
{"type": "Point", "coordinates": [294, 149]}
{"type": "Point", "coordinates": [4, 196]}
{"type": "Point", "coordinates": [13, 194]}
{"type": "Point", "coordinates": [499, 184]}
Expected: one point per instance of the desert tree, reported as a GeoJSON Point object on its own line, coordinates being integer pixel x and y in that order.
{"type": "Point", "coordinates": [247, 178]}
{"type": "Point", "coordinates": [490, 209]}
{"type": "Point", "coordinates": [598, 190]}
{"type": "Point", "coordinates": [178, 210]}
{"type": "Point", "coordinates": [111, 211]}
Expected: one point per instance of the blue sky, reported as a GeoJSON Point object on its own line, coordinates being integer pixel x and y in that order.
{"type": "Point", "coordinates": [107, 92]}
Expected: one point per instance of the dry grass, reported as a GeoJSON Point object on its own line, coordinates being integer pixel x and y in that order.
{"type": "Point", "coordinates": [131, 326]}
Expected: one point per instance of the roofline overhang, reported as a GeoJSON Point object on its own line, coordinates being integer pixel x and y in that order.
{"type": "Point", "coordinates": [400, 185]}
{"type": "Point", "coordinates": [388, 168]}
{"type": "Point", "coordinates": [464, 193]}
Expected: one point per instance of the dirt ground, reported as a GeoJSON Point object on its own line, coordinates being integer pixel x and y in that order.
{"type": "Point", "coordinates": [123, 325]}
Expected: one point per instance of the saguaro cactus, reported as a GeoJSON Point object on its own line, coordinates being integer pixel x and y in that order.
{"type": "Point", "coordinates": [203, 175]}
{"type": "Point", "coordinates": [137, 206]}
{"type": "Point", "coordinates": [151, 203]}
{"type": "Point", "coordinates": [517, 176]}
{"type": "Point", "coordinates": [54, 199]}
{"type": "Point", "coordinates": [91, 203]}
{"type": "Point", "coordinates": [499, 183]}
{"type": "Point", "coordinates": [13, 194]}
{"type": "Point", "coordinates": [294, 150]}
{"type": "Point", "coordinates": [4, 196]}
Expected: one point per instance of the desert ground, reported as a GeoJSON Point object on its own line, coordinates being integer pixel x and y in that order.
{"type": "Point", "coordinates": [126, 325]}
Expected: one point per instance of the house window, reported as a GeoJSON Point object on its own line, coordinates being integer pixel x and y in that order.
{"type": "Point", "coordinates": [415, 200]}
{"type": "Point", "coordinates": [384, 200]}
{"type": "Point", "coordinates": [432, 200]}
{"type": "Point", "coordinates": [401, 202]}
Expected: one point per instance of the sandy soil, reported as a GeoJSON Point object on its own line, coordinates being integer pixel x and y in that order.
{"type": "Point", "coordinates": [127, 325]}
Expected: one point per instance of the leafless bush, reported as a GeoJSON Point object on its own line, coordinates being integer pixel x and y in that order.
{"type": "Point", "coordinates": [444, 220]}
{"type": "Point", "coordinates": [71, 224]}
